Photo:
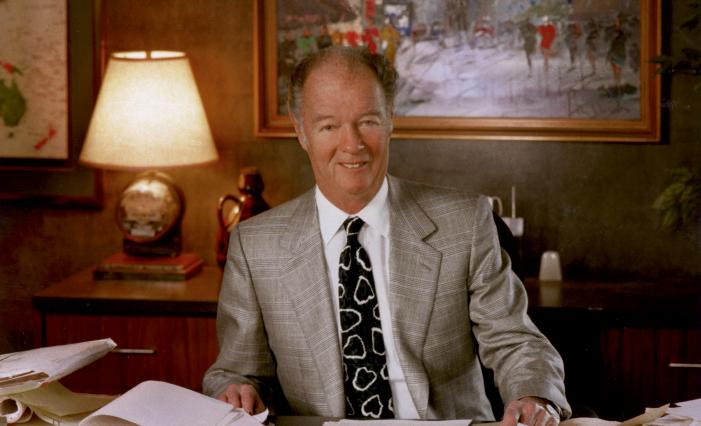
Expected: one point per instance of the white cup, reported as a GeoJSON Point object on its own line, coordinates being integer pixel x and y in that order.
{"type": "Point", "coordinates": [550, 269]}
{"type": "Point", "coordinates": [515, 224]}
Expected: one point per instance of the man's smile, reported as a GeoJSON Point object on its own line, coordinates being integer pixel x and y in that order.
{"type": "Point", "coordinates": [354, 165]}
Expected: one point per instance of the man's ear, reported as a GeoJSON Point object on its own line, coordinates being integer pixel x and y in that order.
{"type": "Point", "coordinates": [299, 131]}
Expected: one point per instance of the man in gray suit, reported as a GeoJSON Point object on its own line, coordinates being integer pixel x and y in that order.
{"type": "Point", "coordinates": [445, 294]}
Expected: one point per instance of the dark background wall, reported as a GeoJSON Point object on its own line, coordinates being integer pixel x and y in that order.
{"type": "Point", "coordinates": [590, 201]}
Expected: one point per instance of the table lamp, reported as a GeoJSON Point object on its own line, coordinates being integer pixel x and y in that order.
{"type": "Point", "coordinates": [149, 115]}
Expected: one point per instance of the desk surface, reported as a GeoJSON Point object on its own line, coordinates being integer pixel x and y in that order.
{"type": "Point", "coordinates": [277, 421]}
{"type": "Point", "coordinates": [318, 421]}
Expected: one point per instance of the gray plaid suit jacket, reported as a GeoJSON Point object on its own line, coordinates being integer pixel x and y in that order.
{"type": "Point", "coordinates": [451, 296]}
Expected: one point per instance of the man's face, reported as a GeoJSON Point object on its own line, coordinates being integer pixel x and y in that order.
{"type": "Point", "coordinates": [345, 128]}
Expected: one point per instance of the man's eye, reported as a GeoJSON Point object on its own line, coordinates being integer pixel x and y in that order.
{"type": "Point", "coordinates": [369, 123]}
{"type": "Point", "coordinates": [327, 127]}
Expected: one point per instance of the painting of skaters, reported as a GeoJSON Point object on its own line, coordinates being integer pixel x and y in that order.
{"type": "Point", "coordinates": [483, 58]}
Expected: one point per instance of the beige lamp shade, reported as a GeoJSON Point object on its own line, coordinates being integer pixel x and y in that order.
{"type": "Point", "coordinates": [148, 115]}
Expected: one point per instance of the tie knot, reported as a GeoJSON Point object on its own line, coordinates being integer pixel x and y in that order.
{"type": "Point", "coordinates": [352, 226]}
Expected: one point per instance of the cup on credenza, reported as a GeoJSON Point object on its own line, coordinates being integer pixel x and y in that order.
{"type": "Point", "coordinates": [550, 269]}
{"type": "Point", "coordinates": [515, 224]}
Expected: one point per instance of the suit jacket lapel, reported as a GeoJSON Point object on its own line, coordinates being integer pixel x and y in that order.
{"type": "Point", "coordinates": [413, 274]}
{"type": "Point", "coordinates": [308, 287]}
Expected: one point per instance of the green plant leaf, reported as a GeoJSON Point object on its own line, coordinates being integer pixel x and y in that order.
{"type": "Point", "coordinates": [680, 202]}
{"type": "Point", "coordinates": [670, 220]}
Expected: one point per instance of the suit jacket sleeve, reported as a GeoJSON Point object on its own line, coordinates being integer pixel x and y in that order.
{"type": "Point", "coordinates": [523, 360]}
{"type": "Point", "coordinates": [244, 355]}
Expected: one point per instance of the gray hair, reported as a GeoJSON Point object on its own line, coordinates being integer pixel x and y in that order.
{"type": "Point", "coordinates": [381, 68]}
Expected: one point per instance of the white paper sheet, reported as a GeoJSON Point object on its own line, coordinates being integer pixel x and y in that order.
{"type": "Point", "coordinates": [160, 403]}
{"type": "Point", "coordinates": [399, 422]}
{"type": "Point", "coordinates": [47, 364]}
{"type": "Point", "coordinates": [690, 409]}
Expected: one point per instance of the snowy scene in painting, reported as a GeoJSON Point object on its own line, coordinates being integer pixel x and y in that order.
{"type": "Point", "coordinates": [484, 58]}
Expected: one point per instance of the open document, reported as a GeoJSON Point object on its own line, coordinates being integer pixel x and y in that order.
{"type": "Point", "coordinates": [686, 413]}
{"type": "Point", "coordinates": [52, 403]}
{"type": "Point", "coordinates": [396, 422]}
{"type": "Point", "coordinates": [27, 370]}
{"type": "Point", "coordinates": [160, 403]}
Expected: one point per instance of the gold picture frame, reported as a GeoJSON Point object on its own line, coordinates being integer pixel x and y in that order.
{"type": "Point", "coordinates": [274, 20]}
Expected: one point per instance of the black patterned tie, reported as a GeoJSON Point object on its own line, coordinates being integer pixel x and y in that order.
{"type": "Point", "coordinates": [365, 367]}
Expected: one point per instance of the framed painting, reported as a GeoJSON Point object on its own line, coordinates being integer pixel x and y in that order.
{"type": "Point", "coordinates": [46, 103]}
{"type": "Point", "coordinates": [563, 70]}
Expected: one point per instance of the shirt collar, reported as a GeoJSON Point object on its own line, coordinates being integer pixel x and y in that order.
{"type": "Point", "coordinates": [375, 214]}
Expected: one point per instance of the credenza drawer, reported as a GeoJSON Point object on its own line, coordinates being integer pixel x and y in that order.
{"type": "Point", "coordinates": [651, 367]}
{"type": "Point", "coordinates": [176, 349]}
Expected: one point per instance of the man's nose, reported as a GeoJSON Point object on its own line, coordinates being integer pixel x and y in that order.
{"type": "Point", "coordinates": [352, 139]}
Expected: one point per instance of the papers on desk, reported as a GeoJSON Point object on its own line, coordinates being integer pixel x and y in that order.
{"type": "Point", "coordinates": [398, 422]}
{"type": "Point", "coordinates": [28, 383]}
{"type": "Point", "coordinates": [149, 403]}
{"type": "Point", "coordinates": [52, 403]}
{"type": "Point", "coordinates": [683, 414]}
{"type": "Point", "coordinates": [588, 421]}
{"type": "Point", "coordinates": [160, 403]}
{"type": "Point", "coordinates": [27, 370]}
{"type": "Point", "coordinates": [687, 413]}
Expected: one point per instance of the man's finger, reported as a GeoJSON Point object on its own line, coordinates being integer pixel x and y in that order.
{"type": "Point", "coordinates": [260, 407]}
{"type": "Point", "coordinates": [511, 415]}
{"type": "Point", "coordinates": [250, 401]}
{"type": "Point", "coordinates": [540, 417]}
{"type": "Point", "coordinates": [231, 395]}
{"type": "Point", "coordinates": [529, 412]}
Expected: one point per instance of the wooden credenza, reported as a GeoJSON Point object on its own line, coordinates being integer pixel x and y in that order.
{"type": "Point", "coordinates": [626, 345]}
{"type": "Point", "coordinates": [164, 330]}
{"type": "Point", "coordinates": [618, 339]}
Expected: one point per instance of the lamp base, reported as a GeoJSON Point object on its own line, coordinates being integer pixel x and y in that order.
{"type": "Point", "coordinates": [121, 266]}
{"type": "Point", "coordinates": [168, 245]}
{"type": "Point", "coordinates": [149, 214]}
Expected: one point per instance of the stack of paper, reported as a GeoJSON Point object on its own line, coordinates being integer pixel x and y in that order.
{"type": "Point", "coordinates": [160, 403]}
{"type": "Point", "coordinates": [686, 413]}
{"type": "Point", "coordinates": [52, 403]}
{"type": "Point", "coordinates": [28, 382]}
{"type": "Point", "coordinates": [397, 422]}
{"type": "Point", "coordinates": [23, 371]}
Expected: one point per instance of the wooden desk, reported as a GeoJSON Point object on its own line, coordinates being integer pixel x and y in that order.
{"type": "Point", "coordinates": [164, 330]}
{"type": "Point", "coordinates": [618, 340]}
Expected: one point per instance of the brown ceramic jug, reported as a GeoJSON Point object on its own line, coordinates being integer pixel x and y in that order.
{"type": "Point", "coordinates": [233, 209]}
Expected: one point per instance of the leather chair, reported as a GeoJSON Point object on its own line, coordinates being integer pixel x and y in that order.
{"type": "Point", "coordinates": [509, 243]}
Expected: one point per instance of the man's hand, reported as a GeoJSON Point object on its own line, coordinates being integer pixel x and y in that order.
{"type": "Point", "coordinates": [530, 411]}
{"type": "Point", "coordinates": [243, 396]}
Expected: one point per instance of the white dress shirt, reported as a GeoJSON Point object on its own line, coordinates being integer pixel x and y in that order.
{"type": "Point", "coordinates": [374, 236]}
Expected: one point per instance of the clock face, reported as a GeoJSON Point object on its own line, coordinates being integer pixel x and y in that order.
{"type": "Point", "coordinates": [149, 207]}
